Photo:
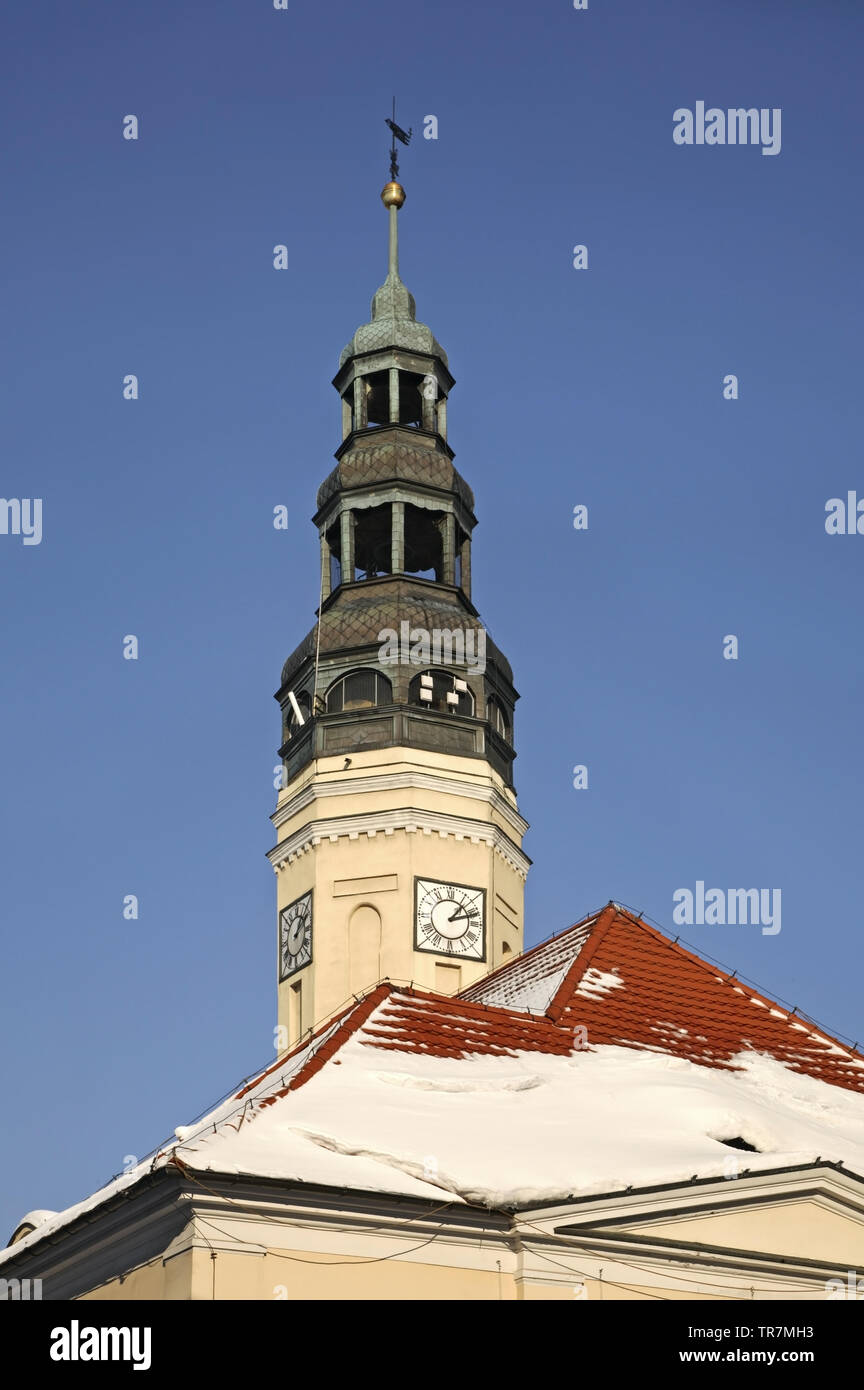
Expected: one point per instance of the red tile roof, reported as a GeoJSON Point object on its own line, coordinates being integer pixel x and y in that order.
{"type": "Point", "coordinates": [669, 1000]}
{"type": "Point", "coordinates": [415, 1021]}
{"type": "Point", "coordinates": [612, 975]}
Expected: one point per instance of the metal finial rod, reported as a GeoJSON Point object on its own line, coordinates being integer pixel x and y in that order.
{"type": "Point", "coordinates": [393, 247]}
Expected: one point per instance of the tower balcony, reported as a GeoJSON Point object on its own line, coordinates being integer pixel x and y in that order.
{"type": "Point", "coordinates": [397, 726]}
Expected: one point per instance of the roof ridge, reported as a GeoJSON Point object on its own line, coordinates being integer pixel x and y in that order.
{"type": "Point", "coordinates": [347, 1024]}
{"type": "Point", "coordinates": [306, 1043]}
{"type": "Point", "coordinates": [532, 950]}
{"type": "Point", "coordinates": [718, 972]}
{"type": "Point", "coordinates": [472, 1006]}
{"type": "Point", "coordinates": [581, 962]}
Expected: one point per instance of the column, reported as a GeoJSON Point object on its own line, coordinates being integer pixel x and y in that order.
{"type": "Point", "coordinates": [449, 548]}
{"type": "Point", "coordinates": [394, 395]}
{"type": "Point", "coordinates": [347, 536]}
{"type": "Point", "coordinates": [325, 568]}
{"type": "Point", "coordinates": [429, 392]}
{"type": "Point", "coordinates": [346, 418]}
{"type": "Point", "coordinates": [359, 403]}
{"type": "Point", "coordinates": [465, 556]}
{"type": "Point", "coordinates": [397, 537]}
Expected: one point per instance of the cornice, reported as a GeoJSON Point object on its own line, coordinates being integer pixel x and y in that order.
{"type": "Point", "coordinates": [408, 820]}
{"type": "Point", "coordinates": [319, 788]}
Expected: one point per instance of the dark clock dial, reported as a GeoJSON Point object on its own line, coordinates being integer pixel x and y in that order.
{"type": "Point", "coordinates": [295, 936]}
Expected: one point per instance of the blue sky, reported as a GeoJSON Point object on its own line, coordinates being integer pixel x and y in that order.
{"type": "Point", "coordinates": [602, 387]}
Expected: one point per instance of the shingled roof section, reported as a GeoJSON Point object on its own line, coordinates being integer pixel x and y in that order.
{"type": "Point", "coordinates": [436, 1026]}
{"type": "Point", "coordinates": [630, 986]}
{"type": "Point", "coordinates": [385, 458]}
{"type": "Point", "coordinates": [355, 617]}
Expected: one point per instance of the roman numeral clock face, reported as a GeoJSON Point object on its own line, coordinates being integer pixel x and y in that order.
{"type": "Point", "coordinates": [450, 919]}
{"type": "Point", "coordinates": [295, 936]}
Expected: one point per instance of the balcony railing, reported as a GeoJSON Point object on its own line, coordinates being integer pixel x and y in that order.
{"type": "Point", "coordinates": [394, 726]}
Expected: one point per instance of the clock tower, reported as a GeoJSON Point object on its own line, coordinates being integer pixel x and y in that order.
{"type": "Point", "coordinates": [399, 842]}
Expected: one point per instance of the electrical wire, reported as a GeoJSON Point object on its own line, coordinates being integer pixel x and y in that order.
{"type": "Point", "coordinates": [663, 1269]}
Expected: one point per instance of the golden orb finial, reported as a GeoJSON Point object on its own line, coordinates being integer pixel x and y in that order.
{"type": "Point", "coordinates": [393, 194]}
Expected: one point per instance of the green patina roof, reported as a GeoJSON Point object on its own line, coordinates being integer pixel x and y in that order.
{"type": "Point", "coordinates": [372, 461]}
{"type": "Point", "coordinates": [394, 317]}
{"type": "Point", "coordinates": [360, 613]}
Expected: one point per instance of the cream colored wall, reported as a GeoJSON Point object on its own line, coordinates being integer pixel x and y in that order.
{"type": "Point", "coordinates": [331, 781]}
{"type": "Point", "coordinates": [769, 1223]}
{"type": "Point", "coordinates": [162, 1280]}
{"type": "Point", "coordinates": [287, 1275]}
{"type": "Point", "coordinates": [363, 886]}
{"type": "Point", "coordinates": [804, 1229]}
{"type": "Point", "coordinates": [280, 1276]}
{"type": "Point", "coordinates": [344, 1263]}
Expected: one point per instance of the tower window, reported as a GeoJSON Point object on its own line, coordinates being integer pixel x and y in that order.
{"type": "Point", "coordinates": [295, 1013]}
{"type": "Point", "coordinates": [377, 387]}
{"type": "Point", "coordinates": [447, 978]}
{"type": "Point", "coordinates": [359, 690]}
{"type": "Point", "coordinates": [372, 540]}
{"type": "Point", "coordinates": [441, 690]}
{"type": "Point", "coordinates": [424, 546]}
{"type": "Point", "coordinates": [410, 399]}
{"type": "Point", "coordinates": [292, 723]}
{"type": "Point", "coordinates": [496, 713]}
{"type": "Point", "coordinates": [334, 547]}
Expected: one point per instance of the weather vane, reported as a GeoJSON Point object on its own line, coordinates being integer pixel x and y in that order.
{"type": "Point", "coordinates": [398, 134]}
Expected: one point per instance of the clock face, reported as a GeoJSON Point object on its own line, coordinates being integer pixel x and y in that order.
{"type": "Point", "coordinates": [295, 936]}
{"type": "Point", "coordinates": [450, 919]}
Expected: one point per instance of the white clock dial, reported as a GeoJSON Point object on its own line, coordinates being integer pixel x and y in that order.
{"type": "Point", "coordinates": [450, 919]}
{"type": "Point", "coordinates": [295, 936]}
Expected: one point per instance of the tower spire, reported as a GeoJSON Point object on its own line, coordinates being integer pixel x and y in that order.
{"type": "Point", "coordinates": [395, 522]}
{"type": "Point", "coordinates": [393, 257]}
{"type": "Point", "coordinates": [393, 194]}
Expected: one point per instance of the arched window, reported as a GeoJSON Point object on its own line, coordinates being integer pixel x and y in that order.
{"type": "Point", "coordinates": [359, 690]}
{"type": "Point", "coordinates": [496, 713]}
{"type": "Point", "coordinates": [292, 723]}
{"type": "Point", "coordinates": [443, 691]}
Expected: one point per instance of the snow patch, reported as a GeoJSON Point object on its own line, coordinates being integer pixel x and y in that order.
{"type": "Point", "coordinates": [460, 1085]}
{"type": "Point", "coordinates": [595, 983]}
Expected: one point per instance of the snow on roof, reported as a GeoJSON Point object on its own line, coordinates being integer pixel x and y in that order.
{"type": "Point", "coordinates": [534, 1126]}
{"type": "Point", "coordinates": [597, 982]}
{"type": "Point", "coordinates": [419, 1094]}
{"type": "Point", "coordinates": [531, 981]}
